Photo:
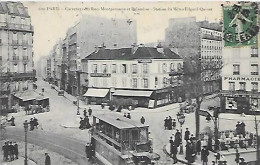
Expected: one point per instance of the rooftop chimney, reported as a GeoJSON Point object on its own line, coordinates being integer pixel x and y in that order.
{"type": "Point", "coordinates": [159, 48]}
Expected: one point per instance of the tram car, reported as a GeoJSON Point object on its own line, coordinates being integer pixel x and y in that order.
{"type": "Point", "coordinates": [118, 140]}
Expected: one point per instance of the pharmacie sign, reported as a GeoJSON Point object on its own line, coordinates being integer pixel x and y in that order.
{"type": "Point", "coordinates": [240, 24]}
{"type": "Point", "coordinates": [242, 78]}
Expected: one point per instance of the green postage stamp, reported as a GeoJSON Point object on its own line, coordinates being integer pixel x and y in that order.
{"type": "Point", "coordinates": [240, 24]}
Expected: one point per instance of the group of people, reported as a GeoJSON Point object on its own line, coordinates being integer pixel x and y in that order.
{"type": "Point", "coordinates": [10, 150]}
{"type": "Point", "coordinates": [169, 123]}
{"type": "Point", "coordinates": [240, 128]}
{"type": "Point", "coordinates": [84, 123]}
{"type": "Point", "coordinates": [128, 115]}
{"type": "Point", "coordinates": [33, 123]}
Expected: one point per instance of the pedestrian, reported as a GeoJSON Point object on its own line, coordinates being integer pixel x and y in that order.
{"type": "Point", "coordinates": [243, 128]}
{"type": "Point", "coordinates": [81, 123]}
{"type": "Point", "coordinates": [85, 112]}
{"type": "Point", "coordinates": [170, 123]}
{"type": "Point", "coordinates": [31, 124]}
{"type": "Point", "coordinates": [5, 151]}
{"type": "Point", "coordinates": [171, 141]}
{"type": "Point", "coordinates": [217, 143]}
{"type": "Point", "coordinates": [125, 115]}
{"type": "Point", "coordinates": [102, 106]}
{"type": "Point", "coordinates": [89, 111]}
{"type": "Point", "coordinates": [188, 155]}
{"type": "Point", "coordinates": [198, 146]}
{"type": "Point", "coordinates": [142, 120]}
{"type": "Point", "coordinates": [166, 123]}
{"type": "Point", "coordinates": [210, 143]}
{"type": "Point", "coordinates": [204, 155]}
{"type": "Point", "coordinates": [16, 152]}
{"type": "Point", "coordinates": [128, 116]}
{"type": "Point", "coordinates": [87, 150]}
{"type": "Point", "coordinates": [12, 121]}
{"type": "Point", "coordinates": [173, 123]}
{"type": "Point", "coordinates": [192, 138]}
{"type": "Point", "coordinates": [11, 151]}
{"type": "Point", "coordinates": [35, 122]}
{"type": "Point", "coordinates": [178, 139]}
{"type": "Point", "coordinates": [187, 135]}
{"type": "Point", "coordinates": [47, 159]}
{"type": "Point", "coordinates": [238, 128]}
{"type": "Point", "coordinates": [174, 152]}
{"type": "Point", "coordinates": [237, 157]}
{"type": "Point", "coordinates": [250, 140]}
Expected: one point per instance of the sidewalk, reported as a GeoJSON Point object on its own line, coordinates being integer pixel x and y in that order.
{"type": "Point", "coordinates": [227, 155]}
{"type": "Point", "coordinates": [18, 161]}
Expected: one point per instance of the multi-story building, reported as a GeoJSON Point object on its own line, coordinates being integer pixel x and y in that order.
{"type": "Point", "coordinates": [16, 51]}
{"type": "Point", "coordinates": [198, 41]}
{"type": "Point", "coordinates": [89, 33]}
{"type": "Point", "coordinates": [240, 80]}
{"type": "Point", "coordinates": [149, 76]}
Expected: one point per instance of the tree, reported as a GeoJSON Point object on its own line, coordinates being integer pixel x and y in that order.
{"type": "Point", "coordinates": [197, 71]}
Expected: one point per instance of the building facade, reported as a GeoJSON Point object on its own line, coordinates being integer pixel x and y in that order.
{"type": "Point", "coordinates": [200, 41]}
{"type": "Point", "coordinates": [16, 51]}
{"type": "Point", "coordinates": [80, 41]}
{"type": "Point", "coordinates": [149, 76]}
{"type": "Point", "coordinates": [240, 81]}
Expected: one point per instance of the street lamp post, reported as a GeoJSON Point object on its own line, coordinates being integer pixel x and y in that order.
{"type": "Point", "coordinates": [181, 120]}
{"type": "Point", "coordinates": [25, 130]}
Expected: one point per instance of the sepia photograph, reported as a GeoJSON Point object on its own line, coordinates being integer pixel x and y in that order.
{"type": "Point", "coordinates": [129, 83]}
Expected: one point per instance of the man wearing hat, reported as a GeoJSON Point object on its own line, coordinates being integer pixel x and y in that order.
{"type": "Point", "coordinates": [178, 139]}
{"type": "Point", "coordinates": [204, 155]}
{"type": "Point", "coordinates": [187, 134]}
{"type": "Point", "coordinates": [5, 150]}
{"type": "Point", "coordinates": [242, 161]}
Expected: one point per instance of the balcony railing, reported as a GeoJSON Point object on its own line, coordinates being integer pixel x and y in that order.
{"type": "Point", "coordinates": [14, 75]}
{"type": "Point", "coordinates": [254, 55]}
{"type": "Point", "coordinates": [254, 73]}
{"type": "Point", "coordinates": [21, 27]}
{"type": "Point", "coordinates": [15, 58]}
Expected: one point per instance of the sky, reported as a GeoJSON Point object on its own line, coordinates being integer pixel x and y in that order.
{"type": "Point", "coordinates": [52, 19]}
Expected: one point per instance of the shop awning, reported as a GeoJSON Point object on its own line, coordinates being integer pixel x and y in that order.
{"type": "Point", "coordinates": [96, 92]}
{"type": "Point", "coordinates": [28, 95]}
{"type": "Point", "coordinates": [132, 93]}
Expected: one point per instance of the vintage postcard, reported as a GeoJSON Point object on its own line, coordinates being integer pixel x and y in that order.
{"type": "Point", "coordinates": [129, 83]}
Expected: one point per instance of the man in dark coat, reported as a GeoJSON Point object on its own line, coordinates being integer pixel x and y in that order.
{"type": "Point", "coordinates": [170, 123]}
{"type": "Point", "coordinates": [85, 112]}
{"type": "Point", "coordinates": [142, 120]}
{"type": "Point", "coordinates": [35, 122]}
{"type": "Point", "coordinates": [204, 155]}
{"type": "Point", "coordinates": [166, 123]}
{"type": "Point", "coordinates": [242, 128]}
{"type": "Point", "coordinates": [178, 139]}
{"type": "Point", "coordinates": [173, 123]}
{"type": "Point", "coordinates": [187, 134]}
{"type": "Point", "coordinates": [5, 150]}
{"type": "Point", "coordinates": [198, 146]}
{"type": "Point", "coordinates": [47, 159]}
{"type": "Point", "coordinates": [89, 111]}
{"type": "Point", "coordinates": [16, 150]}
{"type": "Point", "coordinates": [31, 124]}
{"type": "Point", "coordinates": [11, 151]}
{"type": "Point", "coordinates": [237, 156]}
{"type": "Point", "coordinates": [174, 151]}
{"type": "Point", "coordinates": [238, 128]}
{"type": "Point", "coordinates": [12, 121]}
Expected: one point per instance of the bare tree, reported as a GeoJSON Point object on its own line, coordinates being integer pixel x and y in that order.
{"type": "Point", "coordinates": [197, 72]}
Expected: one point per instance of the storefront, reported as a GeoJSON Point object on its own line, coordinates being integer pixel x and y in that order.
{"type": "Point", "coordinates": [96, 96]}
{"type": "Point", "coordinates": [169, 95]}
{"type": "Point", "coordinates": [139, 98]}
{"type": "Point", "coordinates": [240, 102]}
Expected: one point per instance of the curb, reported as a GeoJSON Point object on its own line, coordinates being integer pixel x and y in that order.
{"type": "Point", "coordinates": [179, 160]}
{"type": "Point", "coordinates": [244, 152]}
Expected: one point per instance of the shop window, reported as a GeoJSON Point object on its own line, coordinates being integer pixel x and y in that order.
{"type": "Point", "coordinates": [231, 86]}
{"type": "Point", "coordinates": [254, 69]}
{"type": "Point", "coordinates": [231, 103]}
{"type": "Point", "coordinates": [236, 69]}
{"type": "Point", "coordinates": [113, 68]}
{"type": "Point", "coordinates": [123, 67]}
{"type": "Point", "coordinates": [242, 86]}
{"type": "Point", "coordinates": [254, 104]}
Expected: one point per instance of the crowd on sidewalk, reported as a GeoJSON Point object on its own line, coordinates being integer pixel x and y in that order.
{"type": "Point", "coordinates": [84, 122]}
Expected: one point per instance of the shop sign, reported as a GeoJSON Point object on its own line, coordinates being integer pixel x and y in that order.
{"type": "Point", "coordinates": [144, 61]}
{"type": "Point", "coordinates": [162, 90]}
{"type": "Point", "coordinates": [242, 78]}
{"type": "Point", "coordinates": [100, 74]}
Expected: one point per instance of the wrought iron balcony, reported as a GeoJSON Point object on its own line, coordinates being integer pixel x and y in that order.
{"type": "Point", "coordinates": [13, 75]}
